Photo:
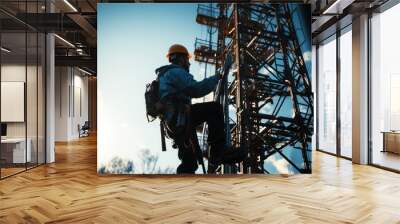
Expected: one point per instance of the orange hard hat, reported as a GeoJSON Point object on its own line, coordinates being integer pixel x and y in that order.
{"type": "Point", "coordinates": [178, 48]}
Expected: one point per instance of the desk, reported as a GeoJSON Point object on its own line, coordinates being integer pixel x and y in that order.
{"type": "Point", "coordinates": [391, 141]}
{"type": "Point", "coordinates": [13, 150]}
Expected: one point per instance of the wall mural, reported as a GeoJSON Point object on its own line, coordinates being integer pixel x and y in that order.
{"type": "Point", "coordinates": [204, 88]}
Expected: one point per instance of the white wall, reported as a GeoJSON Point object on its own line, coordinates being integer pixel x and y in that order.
{"type": "Point", "coordinates": [71, 102]}
{"type": "Point", "coordinates": [61, 102]}
{"type": "Point", "coordinates": [81, 84]}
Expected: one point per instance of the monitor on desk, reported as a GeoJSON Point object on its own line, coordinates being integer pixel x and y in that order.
{"type": "Point", "coordinates": [3, 130]}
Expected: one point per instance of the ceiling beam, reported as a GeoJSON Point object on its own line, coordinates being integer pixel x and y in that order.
{"type": "Point", "coordinates": [85, 25]}
{"type": "Point", "coordinates": [81, 61]}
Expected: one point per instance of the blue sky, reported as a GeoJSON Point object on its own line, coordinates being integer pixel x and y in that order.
{"type": "Point", "coordinates": [143, 33]}
{"type": "Point", "coordinates": [133, 40]}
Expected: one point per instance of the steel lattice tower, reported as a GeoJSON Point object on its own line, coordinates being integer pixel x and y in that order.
{"type": "Point", "coordinates": [267, 99]}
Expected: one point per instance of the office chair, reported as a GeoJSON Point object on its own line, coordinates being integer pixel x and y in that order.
{"type": "Point", "coordinates": [84, 130]}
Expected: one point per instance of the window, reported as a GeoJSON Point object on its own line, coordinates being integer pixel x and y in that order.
{"type": "Point", "coordinates": [385, 89]}
{"type": "Point", "coordinates": [327, 96]}
{"type": "Point", "coordinates": [346, 93]}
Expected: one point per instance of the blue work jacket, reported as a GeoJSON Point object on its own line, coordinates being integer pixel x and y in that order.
{"type": "Point", "coordinates": [177, 86]}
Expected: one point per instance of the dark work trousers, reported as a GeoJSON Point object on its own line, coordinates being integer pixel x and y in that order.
{"type": "Point", "coordinates": [212, 114]}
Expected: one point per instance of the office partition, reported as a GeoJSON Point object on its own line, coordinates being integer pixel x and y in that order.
{"type": "Point", "coordinates": [22, 88]}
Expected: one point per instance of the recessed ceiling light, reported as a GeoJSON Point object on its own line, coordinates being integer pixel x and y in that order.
{"type": "Point", "coordinates": [84, 71]}
{"type": "Point", "coordinates": [70, 5]}
{"type": "Point", "coordinates": [5, 50]}
{"type": "Point", "coordinates": [326, 11]}
{"type": "Point", "coordinates": [65, 41]}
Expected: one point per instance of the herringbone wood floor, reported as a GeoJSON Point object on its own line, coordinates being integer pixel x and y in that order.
{"type": "Point", "coordinates": [70, 191]}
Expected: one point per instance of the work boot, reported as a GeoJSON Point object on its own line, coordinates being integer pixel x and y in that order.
{"type": "Point", "coordinates": [212, 169]}
{"type": "Point", "coordinates": [227, 156]}
{"type": "Point", "coordinates": [185, 168]}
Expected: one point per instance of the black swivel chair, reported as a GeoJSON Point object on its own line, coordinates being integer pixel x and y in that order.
{"type": "Point", "coordinates": [84, 130]}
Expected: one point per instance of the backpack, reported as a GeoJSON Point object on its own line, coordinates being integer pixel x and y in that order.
{"type": "Point", "coordinates": [154, 107]}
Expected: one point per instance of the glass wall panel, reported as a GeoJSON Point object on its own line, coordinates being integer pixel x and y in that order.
{"type": "Point", "coordinates": [327, 96]}
{"type": "Point", "coordinates": [32, 95]}
{"type": "Point", "coordinates": [41, 98]}
{"type": "Point", "coordinates": [346, 94]}
{"type": "Point", "coordinates": [22, 88]}
{"type": "Point", "coordinates": [385, 89]}
{"type": "Point", "coordinates": [314, 89]}
{"type": "Point", "coordinates": [32, 86]}
{"type": "Point", "coordinates": [14, 153]}
{"type": "Point", "coordinates": [41, 89]}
